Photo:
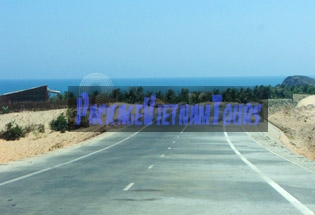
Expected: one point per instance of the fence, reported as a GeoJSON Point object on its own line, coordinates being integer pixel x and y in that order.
{"type": "Point", "coordinates": [34, 106]}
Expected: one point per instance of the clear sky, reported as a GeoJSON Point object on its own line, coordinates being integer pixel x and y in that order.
{"type": "Point", "coordinates": [178, 38]}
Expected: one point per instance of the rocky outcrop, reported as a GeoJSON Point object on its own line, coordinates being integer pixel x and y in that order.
{"type": "Point", "coordinates": [298, 80]}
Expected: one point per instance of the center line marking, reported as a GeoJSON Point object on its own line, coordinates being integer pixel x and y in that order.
{"type": "Point", "coordinates": [129, 186]}
{"type": "Point", "coordinates": [184, 128]}
{"type": "Point", "coordinates": [150, 167]}
{"type": "Point", "coordinates": [162, 155]}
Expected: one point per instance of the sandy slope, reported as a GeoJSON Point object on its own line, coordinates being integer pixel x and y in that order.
{"type": "Point", "coordinates": [36, 143]}
{"type": "Point", "coordinates": [298, 124]}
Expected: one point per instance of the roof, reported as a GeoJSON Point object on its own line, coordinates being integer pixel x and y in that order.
{"type": "Point", "coordinates": [54, 91]}
{"type": "Point", "coordinates": [18, 91]}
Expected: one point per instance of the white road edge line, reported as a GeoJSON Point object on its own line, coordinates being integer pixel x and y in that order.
{"type": "Point", "coordinates": [296, 203]}
{"type": "Point", "coordinates": [128, 186]}
{"type": "Point", "coordinates": [150, 167]}
{"type": "Point", "coordinates": [68, 162]}
{"type": "Point", "coordinates": [280, 155]}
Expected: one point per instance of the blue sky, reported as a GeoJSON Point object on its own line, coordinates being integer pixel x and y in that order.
{"type": "Point", "coordinates": [178, 38]}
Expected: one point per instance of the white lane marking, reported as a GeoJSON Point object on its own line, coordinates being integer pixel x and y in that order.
{"type": "Point", "coordinates": [169, 148]}
{"type": "Point", "coordinates": [162, 155]}
{"type": "Point", "coordinates": [150, 167]}
{"type": "Point", "coordinates": [296, 203]}
{"type": "Point", "coordinates": [128, 186]}
{"type": "Point", "coordinates": [184, 128]}
{"type": "Point", "coordinates": [68, 162]}
{"type": "Point", "coordinates": [281, 155]}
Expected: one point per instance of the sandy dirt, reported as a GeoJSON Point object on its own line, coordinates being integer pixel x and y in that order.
{"type": "Point", "coordinates": [298, 126]}
{"type": "Point", "coordinates": [35, 142]}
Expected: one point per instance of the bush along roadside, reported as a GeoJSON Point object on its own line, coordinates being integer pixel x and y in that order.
{"type": "Point", "coordinates": [59, 124]}
{"type": "Point", "coordinates": [71, 115]}
{"type": "Point", "coordinates": [14, 132]}
{"type": "Point", "coordinates": [67, 121]}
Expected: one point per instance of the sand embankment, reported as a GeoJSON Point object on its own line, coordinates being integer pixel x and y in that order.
{"type": "Point", "coordinates": [35, 142]}
{"type": "Point", "coordinates": [298, 125]}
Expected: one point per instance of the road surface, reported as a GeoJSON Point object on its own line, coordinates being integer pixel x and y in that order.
{"type": "Point", "coordinates": [159, 173]}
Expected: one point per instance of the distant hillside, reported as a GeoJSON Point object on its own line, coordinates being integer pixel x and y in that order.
{"type": "Point", "coordinates": [298, 80]}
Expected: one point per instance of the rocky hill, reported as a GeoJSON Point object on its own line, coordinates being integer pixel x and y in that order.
{"type": "Point", "coordinates": [298, 80]}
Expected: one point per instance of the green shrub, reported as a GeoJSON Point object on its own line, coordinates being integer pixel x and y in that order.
{"type": "Point", "coordinates": [29, 129]}
{"type": "Point", "coordinates": [71, 115]}
{"type": "Point", "coordinates": [41, 128]}
{"type": "Point", "coordinates": [5, 109]}
{"type": "Point", "coordinates": [12, 132]}
{"type": "Point", "coordinates": [59, 124]}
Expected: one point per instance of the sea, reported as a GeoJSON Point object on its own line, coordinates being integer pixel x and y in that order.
{"type": "Point", "coordinates": [12, 85]}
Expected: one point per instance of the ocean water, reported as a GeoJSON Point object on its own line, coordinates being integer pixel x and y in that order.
{"type": "Point", "coordinates": [63, 84]}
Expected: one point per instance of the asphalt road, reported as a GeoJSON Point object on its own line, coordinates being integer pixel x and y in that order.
{"type": "Point", "coordinates": [158, 173]}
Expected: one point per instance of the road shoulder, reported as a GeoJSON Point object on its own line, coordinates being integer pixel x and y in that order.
{"type": "Point", "coordinates": [277, 142]}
